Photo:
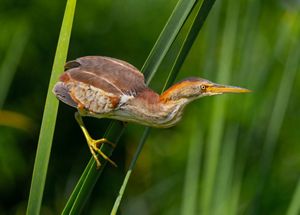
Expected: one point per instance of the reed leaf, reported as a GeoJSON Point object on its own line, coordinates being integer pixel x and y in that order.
{"type": "Point", "coordinates": [254, 79]}
{"type": "Point", "coordinates": [131, 167]}
{"type": "Point", "coordinates": [224, 181]}
{"type": "Point", "coordinates": [191, 181]}
{"type": "Point", "coordinates": [218, 110]}
{"type": "Point", "coordinates": [277, 115]}
{"type": "Point", "coordinates": [294, 207]}
{"type": "Point", "coordinates": [11, 60]}
{"type": "Point", "coordinates": [49, 116]}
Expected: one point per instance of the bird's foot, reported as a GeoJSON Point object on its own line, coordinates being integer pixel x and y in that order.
{"type": "Point", "coordinates": [94, 148]}
{"type": "Point", "coordinates": [94, 144]}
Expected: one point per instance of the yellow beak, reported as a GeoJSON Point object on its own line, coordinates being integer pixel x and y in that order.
{"type": "Point", "coordinates": [217, 88]}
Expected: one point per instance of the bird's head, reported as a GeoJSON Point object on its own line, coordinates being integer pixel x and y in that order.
{"type": "Point", "coordinates": [193, 88]}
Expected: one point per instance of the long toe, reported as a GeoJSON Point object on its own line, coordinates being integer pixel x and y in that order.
{"type": "Point", "coordinates": [94, 153]}
{"type": "Point", "coordinates": [102, 141]}
{"type": "Point", "coordinates": [97, 150]}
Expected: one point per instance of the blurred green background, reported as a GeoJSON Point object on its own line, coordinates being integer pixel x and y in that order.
{"type": "Point", "coordinates": [253, 140]}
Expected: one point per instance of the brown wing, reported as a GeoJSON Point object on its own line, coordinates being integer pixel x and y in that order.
{"type": "Point", "coordinates": [108, 74]}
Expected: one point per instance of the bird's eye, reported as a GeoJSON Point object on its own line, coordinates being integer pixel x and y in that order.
{"type": "Point", "coordinates": [203, 87]}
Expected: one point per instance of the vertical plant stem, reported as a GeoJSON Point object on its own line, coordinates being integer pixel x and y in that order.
{"type": "Point", "coordinates": [191, 180]}
{"type": "Point", "coordinates": [294, 207]}
{"type": "Point", "coordinates": [233, 203]}
{"type": "Point", "coordinates": [202, 9]}
{"type": "Point", "coordinates": [212, 33]}
{"type": "Point", "coordinates": [49, 117]}
{"type": "Point", "coordinates": [224, 180]}
{"type": "Point", "coordinates": [11, 60]}
{"type": "Point", "coordinates": [131, 167]}
{"type": "Point", "coordinates": [277, 116]}
{"type": "Point", "coordinates": [218, 111]}
{"type": "Point", "coordinates": [167, 37]}
{"type": "Point", "coordinates": [281, 103]}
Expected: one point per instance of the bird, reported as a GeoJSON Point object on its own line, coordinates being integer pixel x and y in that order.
{"type": "Point", "coordinates": [105, 87]}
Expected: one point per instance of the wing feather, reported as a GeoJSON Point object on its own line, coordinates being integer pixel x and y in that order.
{"type": "Point", "coordinates": [109, 74]}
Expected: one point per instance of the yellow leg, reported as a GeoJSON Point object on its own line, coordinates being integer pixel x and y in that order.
{"type": "Point", "coordinates": [94, 144]}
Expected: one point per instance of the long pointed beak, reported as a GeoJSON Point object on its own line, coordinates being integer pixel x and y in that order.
{"type": "Point", "coordinates": [218, 89]}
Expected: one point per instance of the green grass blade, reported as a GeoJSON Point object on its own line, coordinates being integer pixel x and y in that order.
{"type": "Point", "coordinates": [211, 38]}
{"type": "Point", "coordinates": [81, 193]}
{"type": "Point", "coordinates": [191, 180]}
{"type": "Point", "coordinates": [233, 204]}
{"type": "Point", "coordinates": [49, 117]}
{"type": "Point", "coordinates": [218, 110]}
{"type": "Point", "coordinates": [166, 38]}
{"type": "Point", "coordinates": [78, 187]}
{"type": "Point", "coordinates": [294, 207]}
{"type": "Point", "coordinates": [200, 12]}
{"type": "Point", "coordinates": [128, 173]}
{"type": "Point", "coordinates": [11, 60]}
{"type": "Point", "coordinates": [254, 79]}
{"type": "Point", "coordinates": [282, 100]}
{"type": "Point", "coordinates": [277, 116]}
{"type": "Point", "coordinates": [225, 173]}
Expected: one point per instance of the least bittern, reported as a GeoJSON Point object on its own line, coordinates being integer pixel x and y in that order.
{"type": "Point", "coordinates": [104, 87]}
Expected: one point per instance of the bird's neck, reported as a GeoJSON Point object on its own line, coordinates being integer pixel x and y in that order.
{"type": "Point", "coordinates": [172, 111]}
{"type": "Point", "coordinates": [158, 112]}
{"type": "Point", "coordinates": [149, 109]}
